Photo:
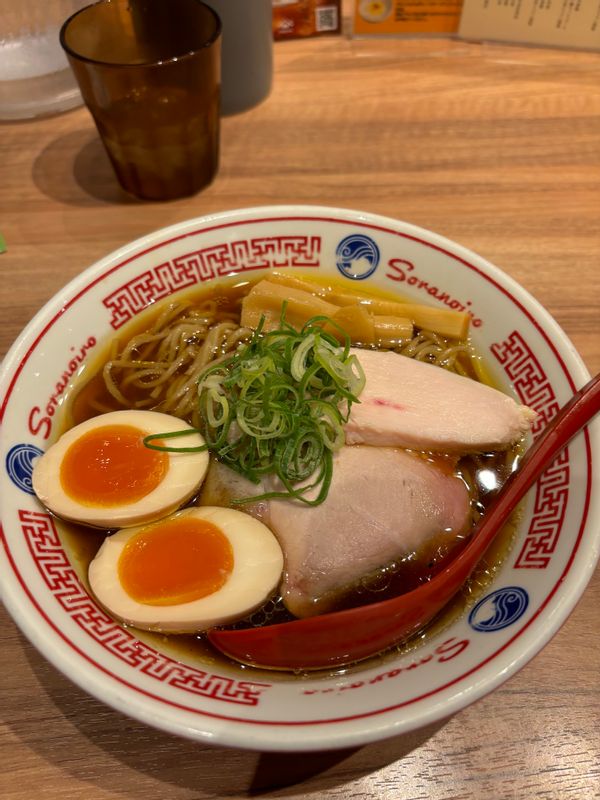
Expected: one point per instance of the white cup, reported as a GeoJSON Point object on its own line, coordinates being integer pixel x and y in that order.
{"type": "Point", "coordinates": [246, 52]}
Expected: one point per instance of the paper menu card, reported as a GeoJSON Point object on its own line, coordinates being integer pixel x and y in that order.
{"type": "Point", "coordinates": [406, 17]}
{"type": "Point", "coordinates": [560, 23]}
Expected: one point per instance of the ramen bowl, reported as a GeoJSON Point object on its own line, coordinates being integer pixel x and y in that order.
{"type": "Point", "coordinates": [535, 583]}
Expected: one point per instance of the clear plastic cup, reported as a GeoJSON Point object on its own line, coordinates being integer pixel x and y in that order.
{"type": "Point", "coordinates": [35, 78]}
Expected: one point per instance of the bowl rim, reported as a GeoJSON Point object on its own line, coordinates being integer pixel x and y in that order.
{"type": "Point", "coordinates": [532, 643]}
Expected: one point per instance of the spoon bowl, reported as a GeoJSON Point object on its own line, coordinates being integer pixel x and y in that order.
{"type": "Point", "coordinates": [344, 637]}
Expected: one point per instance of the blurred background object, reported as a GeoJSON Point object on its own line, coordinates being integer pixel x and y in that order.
{"type": "Point", "coordinates": [246, 52]}
{"type": "Point", "coordinates": [296, 19]}
{"type": "Point", "coordinates": [35, 78]}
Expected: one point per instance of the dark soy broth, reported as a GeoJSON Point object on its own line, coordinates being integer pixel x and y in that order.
{"type": "Point", "coordinates": [89, 397]}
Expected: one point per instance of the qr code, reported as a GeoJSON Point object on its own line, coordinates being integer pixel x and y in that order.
{"type": "Point", "coordinates": [326, 18]}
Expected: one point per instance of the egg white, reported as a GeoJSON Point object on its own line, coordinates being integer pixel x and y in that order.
{"type": "Point", "coordinates": [257, 568]}
{"type": "Point", "coordinates": [183, 478]}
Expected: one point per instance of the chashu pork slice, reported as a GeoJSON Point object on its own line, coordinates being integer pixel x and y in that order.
{"type": "Point", "coordinates": [383, 505]}
{"type": "Point", "coordinates": [408, 403]}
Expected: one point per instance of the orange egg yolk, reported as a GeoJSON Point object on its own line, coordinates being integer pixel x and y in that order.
{"type": "Point", "coordinates": [111, 466]}
{"type": "Point", "coordinates": [175, 561]}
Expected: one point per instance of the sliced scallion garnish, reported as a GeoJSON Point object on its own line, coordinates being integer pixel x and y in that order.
{"type": "Point", "coordinates": [277, 406]}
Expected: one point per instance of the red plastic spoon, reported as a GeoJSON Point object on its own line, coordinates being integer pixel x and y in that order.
{"type": "Point", "coordinates": [345, 636]}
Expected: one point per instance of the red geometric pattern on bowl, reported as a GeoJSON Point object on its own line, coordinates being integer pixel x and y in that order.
{"type": "Point", "coordinates": [552, 489]}
{"type": "Point", "coordinates": [46, 549]}
{"type": "Point", "coordinates": [207, 263]}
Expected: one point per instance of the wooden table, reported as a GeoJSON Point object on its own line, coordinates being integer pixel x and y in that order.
{"type": "Point", "coordinates": [495, 147]}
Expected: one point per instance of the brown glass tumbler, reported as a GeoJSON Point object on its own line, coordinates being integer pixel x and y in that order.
{"type": "Point", "coordinates": [149, 72]}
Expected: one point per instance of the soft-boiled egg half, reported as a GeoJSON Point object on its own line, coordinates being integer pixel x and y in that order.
{"type": "Point", "coordinates": [101, 473]}
{"type": "Point", "coordinates": [199, 567]}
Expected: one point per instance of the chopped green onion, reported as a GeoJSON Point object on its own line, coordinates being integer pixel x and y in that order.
{"type": "Point", "coordinates": [149, 441]}
{"type": "Point", "coordinates": [277, 407]}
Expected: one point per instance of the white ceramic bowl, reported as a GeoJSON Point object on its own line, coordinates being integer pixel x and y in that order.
{"type": "Point", "coordinates": [539, 583]}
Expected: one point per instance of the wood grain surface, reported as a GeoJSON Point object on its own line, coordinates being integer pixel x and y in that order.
{"type": "Point", "coordinates": [496, 147]}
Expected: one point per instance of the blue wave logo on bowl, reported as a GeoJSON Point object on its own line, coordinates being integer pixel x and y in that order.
{"type": "Point", "coordinates": [19, 465]}
{"type": "Point", "coordinates": [499, 609]}
{"type": "Point", "coordinates": [357, 256]}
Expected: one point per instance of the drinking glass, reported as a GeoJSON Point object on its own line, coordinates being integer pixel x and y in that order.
{"type": "Point", "coordinates": [35, 78]}
{"type": "Point", "coordinates": [149, 73]}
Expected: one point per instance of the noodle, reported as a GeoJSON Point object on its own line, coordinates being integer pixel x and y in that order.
{"type": "Point", "coordinates": [158, 369]}
{"type": "Point", "coordinates": [436, 349]}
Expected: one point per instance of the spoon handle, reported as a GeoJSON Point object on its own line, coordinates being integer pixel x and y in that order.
{"type": "Point", "coordinates": [571, 418]}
